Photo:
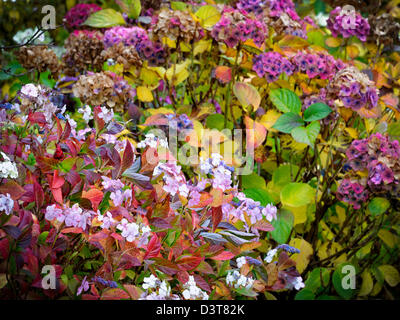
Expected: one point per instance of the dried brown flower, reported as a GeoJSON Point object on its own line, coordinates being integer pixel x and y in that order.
{"type": "Point", "coordinates": [125, 55]}
{"type": "Point", "coordinates": [384, 29]}
{"type": "Point", "coordinates": [103, 88]}
{"type": "Point", "coordinates": [83, 53]}
{"type": "Point", "coordinates": [40, 58]}
{"type": "Point", "coordinates": [176, 25]}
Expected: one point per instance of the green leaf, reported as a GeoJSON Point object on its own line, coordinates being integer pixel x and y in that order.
{"type": "Point", "coordinates": [282, 226]}
{"type": "Point", "coordinates": [378, 206]}
{"type": "Point", "coordinates": [131, 7]}
{"type": "Point", "coordinates": [316, 37]}
{"type": "Point", "coordinates": [45, 78]}
{"type": "Point", "coordinates": [339, 282]}
{"type": "Point", "coordinates": [316, 111]}
{"type": "Point", "coordinates": [285, 100]}
{"type": "Point", "coordinates": [253, 181]}
{"type": "Point", "coordinates": [305, 294]}
{"type": "Point", "coordinates": [216, 121]}
{"type": "Point", "coordinates": [260, 195]}
{"type": "Point", "coordinates": [308, 134]}
{"type": "Point", "coordinates": [105, 18]}
{"type": "Point", "coordinates": [317, 280]}
{"type": "Point", "coordinates": [297, 194]}
{"type": "Point", "coordinates": [179, 5]}
{"type": "Point", "coordinates": [284, 174]}
{"type": "Point", "coordinates": [287, 122]}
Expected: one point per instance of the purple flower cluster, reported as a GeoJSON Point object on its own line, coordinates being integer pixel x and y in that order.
{"type": "Point", "coordinates": [179, 123]}
{"type": "Point", "coordinates": [271, 65]}
{"type": "Point", "coordinates": [276, 7]}
{"type": "Point", "coordinates": [251, 6]}
{"type": "Point", "coordinates": [153, 52]}
{"type": "Point", "coordinates": [79, 13]}
{"type": "Point", "coordinates": [352, 192]}
{"type": "Point", "coordinates": [106, 283]}
{"type": "Point", "coordinates": [348, 23]}
{"type": "Point", "coordinates": [355, 98]}
{"type": "Point", "coordinates": [234, 27]}
{"type": "Point", "coordinates": [380, 158]}
{"type": "Point", "coordinates": [131, 36]}
{"type": "Point", "coordinates": [317, 64]}
{"type": "Point", "coordinates": [72, 217]}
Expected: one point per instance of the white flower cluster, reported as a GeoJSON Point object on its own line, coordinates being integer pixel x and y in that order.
{"type": "Point", "coordinates": [132, 231]}
{"type": "Point", "coordinates": [22, 36]}
{"type": "Point", "coordinates": [156, 289]}
{"type": "Point", "coordinates": [298, 283]}
{"type": "Point", "coordinates": [6, 203]}
{"type": "Point", "coordinates": [270, 255]}
{"type": "Point", "coordinates": [152, 141]}
{"type": "Point", "coordinates": [72, 217]}
{"type": "Point", "coordinates": [192, 291]}
{"type": "Point", "coordinates": [8, 169]}
{"type": "Point", "coordinates": [241, 261]}
{"type": "Point", "coordinates": [86, 113]}
{"type": "Point", "coordinates": [106, 114]}
{"type": "Point", "coordinates": [236, 279]}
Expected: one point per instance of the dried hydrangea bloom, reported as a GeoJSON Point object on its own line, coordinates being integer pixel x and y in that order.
{"type": "Point", "coordinates": [103, 88]}
{"type": "Point", "coordinates": [379, 157]}
{"type": "Point", "coordinates": [125, 55]}
{"type": "Point", "coordinates": [39, 58]}
{"type": "Point", "coordinates": [354, 89]}
{"type": "Point", "coordinates": [83, 52]}
{"type": "Point", "coordinates": [78, 14]}
{"type": "Point", "coordinates": [176, 25]}
{"type": "Point", "coordinates": [286, 23]}
{"type": "Point", "coordinates": [384, 30]}
{"type": "Point", "coordinates": [235, 27]}
{"type": "Point", "coordinates": [155, 53]}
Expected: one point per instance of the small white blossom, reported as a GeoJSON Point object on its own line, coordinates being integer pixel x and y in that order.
{"type": "Point", "coordinates": [8, 169]}
{"type": "Point", "coordinates": [6, 203]}
{"type": "Point", "coordinates": [270, 255]}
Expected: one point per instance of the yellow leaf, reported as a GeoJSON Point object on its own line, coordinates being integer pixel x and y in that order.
{"type": "Point", "coordinates": [367, 284]}
{"type": "Point", "coordinates": [269, 119]}
{"type": "Point", "coordinates": [333, 42]}
{"type": "Point", "coordinates": [391, 275]}
{"type": "Point", "coordinates": [144, 94]}
{"type": "Point", "coordinates": [161, 110]}
{"type": "Point", "coordinates": [201, 46]}
{"type": "Point", "coordinates": [178, 73]}
{"type": "Point", "coordinates": [352, 132]}
{"type": "Point", "coordinates": [369, 124]}
{"type": "Point", "coordinates": [299, 213]}
{"type": "Point", "coordinates": [149, 77]}
{"type": "Point", "coordinates": [303, 258]}
{"type": "Point", "coordinates": [352, 51]}
{"type": "Point", "coordinates": [208, 15]}
{"type": "Point", "coordinates": [388, 238]}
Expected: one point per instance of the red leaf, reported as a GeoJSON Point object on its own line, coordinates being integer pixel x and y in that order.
{"type": "Point", "coordinates": [223, 74]}
{"type": "Point", "coordinates": [225, 255]}
{"type": "Point", "coordinates": [36, 117]}
{"type": "Point", "coordinates": [12, 188]}
{"type": "Point", "coordinates": [72, 230]}
{"type": "Point", "coordinates": [201, 283]}
{"type": "Point", "coordinates": [153, 248]}
{"type": "Point", "coordinates": [183, 276]}
{"type": "Point", "coordinates": [216, 216]}
{"type": "Point", "coordinates": [39, 194]}
{"type": "Point", "coordinates": [57, 181]}
{"type": "Point", "coordinates": [189, 262]}
{"type": "Point", "coordinates": [263, 225]}
{"type": "Point", "coordinates": [127, 158]}
{"type": "Point", "coordinates": [114, 294]}
{"type": "Point", "coordinates": [95, 196]}
{"type": "Point", "coordinates": [117, 236]}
